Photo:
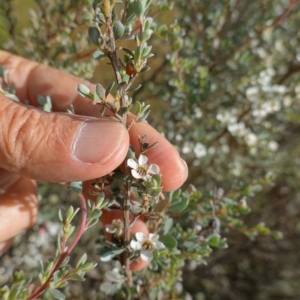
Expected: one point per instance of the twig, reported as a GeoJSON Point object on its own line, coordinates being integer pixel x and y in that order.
{"type": "Point", "coordinates": [68, 250]}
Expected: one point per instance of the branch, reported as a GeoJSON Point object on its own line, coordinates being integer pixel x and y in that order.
{"type": "Point", "coordinates": [63, 255]}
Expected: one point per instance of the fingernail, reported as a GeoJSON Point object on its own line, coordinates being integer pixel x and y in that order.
{"type": "Point", "coordinates": [97, 141]}
{"type": "Point", "coordinates": [184, 165]}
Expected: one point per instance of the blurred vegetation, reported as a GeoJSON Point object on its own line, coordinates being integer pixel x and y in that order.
{"type": "Point", "coordinates": [224, 88]}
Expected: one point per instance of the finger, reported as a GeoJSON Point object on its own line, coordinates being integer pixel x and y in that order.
{"type": "Point", "coordinates": [30, 81]}
{"type": "Point", "coordinates": [173, 169]}
{"type": "Point", "coordinates": [58, 147]}
{"type": "Point", "coordinates": [18, 209]}
{"type": "Point", "coordinates": [139, 226]}
{"type": "Point", "coordinates": [5, 245]}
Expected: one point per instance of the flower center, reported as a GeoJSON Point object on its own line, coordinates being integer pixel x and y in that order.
{"type": "Point", "coordinates": [147, 245]}
{"type": "Point", "coordinates": [142, 170]}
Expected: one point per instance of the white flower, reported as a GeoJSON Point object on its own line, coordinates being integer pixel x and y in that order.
{"type": "Point", "coordinates": [227, 117]}
{"type": "Point", "coordinates": [140, 169]}
{"type": "Point", "coordinates": [273, 146]}
{"type": "Point", "coordinates": [146, 245]}
{"type": "Point", "coordinates": [116, 227]}
{"type": "Point", "coordinates": [237, 129]}
{"type": "Point", "coordinates": [200, 150]}
{"type": "Point", "coordinates": [187, 147]}
{"type": "Point", "coordinates": [251, 139]}
{"type": "Point", "coordinates": [287, 101]}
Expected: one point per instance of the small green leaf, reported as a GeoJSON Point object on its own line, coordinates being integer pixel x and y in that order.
{"type": "Point", "coordinates": [60, 215]}
{"type": "Point", "coordinates": [169, 241]}
{"type": "Point", "coordinates": [122, 111]}
{"type": "Point", "coordinates": [145, 69]}
{"type": "Point", "coordinates": [135, 88]}
{"type": "Point", "coordinates": [121, 85]}
{"type": "Point", "coordinates": [222, 244]}
{"type": "Point", "coordinates": [112, 106]}
{"type": "Point", "coordinates": [100, 91]}
{"type": "Point", "coordinates": [143, 116]}
{"type": "Point", "coordinates": [146, 51]}
{"type": "Point", "coordinates": [96, 99]}
{"type": "Point", "coordinates": [118, 29]}
{"type": "Point", "coordinates": [93, 223]}
{"type": "Point", "coordinates": [70, 213]}
{"type": "Point", "coordinates": [83, 90]}
{"type": "Point", "coordinates": [109, 88]}
{"type": "Point", "coordinates": [109, 255]}
{"type": "Point", "coordinates": [148, 56]}
{"type": "Point", "coordinates": [180, 205]}
{"type": "Point", "coordinates": [156, 177]}
{"type": "Point", "coordinates": [98, 54]}
{"type": "Point", "coordinates": [57, 294]}
{"type": "Point", "coordinates": [76, 186]}
{"type": "Point", "coordinates": [136, 108]}
{"type": "Point", "coordinates": [175, 194]}
{"type": "Point", "coordinates": [168, 225]}
{"type": "Point", "coordinates": [146, 35]}
{"type": "Point", "coordinates": [87, 267]}
{"type": "Point", "coordinates": [147, 23]}
{"type": "Point", "coordinates": [130, 12]}
{"type": "Point", "coordinates": [94, 35]}
{"type": "Point", "coordinates": [77, 277]}
{"type": "Point", "coordinates": [128, 51]}
{"type": "Point", "coordinates": [96, 214]}
{"type": "Point", "coordinates": [137, 54]}
{"type": "Point", "coordinates": [82, 260]}
{"type": "Point", "coordinates": [138, 8]}
{"type": "Point", "coordinates": [213, 239]}
{"type": "Point", "coordinates": [110, 288]}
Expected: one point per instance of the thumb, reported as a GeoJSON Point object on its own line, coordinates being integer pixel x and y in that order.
{"type": "Point", "coordinates": [58, 147]}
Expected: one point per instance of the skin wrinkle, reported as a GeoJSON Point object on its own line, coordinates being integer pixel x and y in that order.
{"type": "Point", "coordinates": [34, 144]}
{"type": "Point", "coordinates": [17, 145]}
{"type": "Point", "coordinates": [9, 136]}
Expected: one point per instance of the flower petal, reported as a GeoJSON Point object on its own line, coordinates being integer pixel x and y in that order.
{"type": "Point", "coordinates": [153, 237]}
{"type": "Point", "coordinates": [132, 163]}
{"type": "Point", "coordinates": [110, 229]}
{"type": "Point", "coordinates": [136, 175]}
{"type": "Point", "coordinates": [142, 159]}
{"type": "Point", "coordinates": [135, 245]}
{"type": "Point", "coordinates": [158, 245]}
{"type": "Point", "coordinates": [140, 236]}
{"type": "Point", "coordinates": [153, 169]}
{"type": "Point", "coordinates": [146, 255]}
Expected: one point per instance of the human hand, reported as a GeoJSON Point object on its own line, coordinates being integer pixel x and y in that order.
{"type": "Point", "coordinates": [57, 147]}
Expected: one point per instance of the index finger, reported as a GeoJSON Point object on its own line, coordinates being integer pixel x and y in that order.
{"type": "Point", "coordinates": [32, 79]}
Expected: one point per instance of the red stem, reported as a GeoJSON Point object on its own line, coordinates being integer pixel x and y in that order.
{"type": "Point", "coordinates": [63, 255]}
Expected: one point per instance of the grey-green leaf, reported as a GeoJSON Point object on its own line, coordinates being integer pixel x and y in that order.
{"type": "Point", "coordinates": [100, 91]}
{"type": "Point", "coordinates": [57, 294]}
{"type": "Point", "coordinates": [213, 239]}
{"type": "Point", "coordinates": [180, 205]}
{"type": "Point", "coordinates": [138, 8]}
{"type": "Point", "coordinates": [109, 88]}
{"type": "Point", "coordinates": [169, 241]}
{"type": "Point", "coordinates": [98, 54]}
{"type": "Point", "coordinates": [118, 29]}
{"type": "Point", "coordinates": [107, 256]}
{"type": "Point", "coordinates": [76, 186]}
{"type": "Point", "coordinates": [82, 260]}
{"type": "Point", "coordinates": [94, 35]}
{"type": "Point", "coordinates": [84, 90]}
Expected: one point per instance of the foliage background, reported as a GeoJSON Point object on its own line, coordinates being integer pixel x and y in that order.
{"type": "Point", "coordinates": [224, 88]}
